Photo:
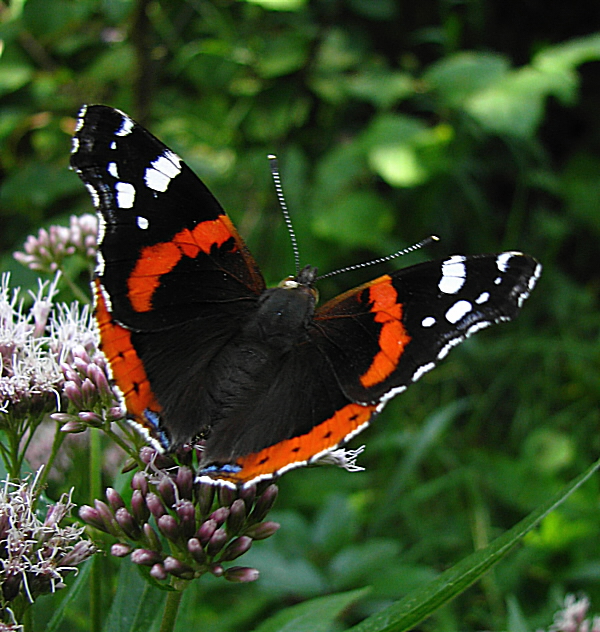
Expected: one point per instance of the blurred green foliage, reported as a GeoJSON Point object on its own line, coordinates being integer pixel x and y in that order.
{"type": "Point", "coordinates": [392, 120]}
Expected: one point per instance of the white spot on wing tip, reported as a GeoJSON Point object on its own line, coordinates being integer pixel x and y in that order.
{"type": "Point", "coordinates": [428, 321]}
{"type": "Point", "coordinates": [126, 126]}
{"type": "Point", "coordinates": [142, 222]}
{"type": "Point", "coordinates": [454, 274]}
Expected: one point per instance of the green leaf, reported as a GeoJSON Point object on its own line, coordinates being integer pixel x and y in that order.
{"type": "Point", "coordinates": [136, 603]}
{"type": "Point", "coordinates": [71, 597]}
{"type": "Point", "coordinates": [457, 77]}
{"type": "Point", "coordinates": [410, 611]}
{"type": "Point", "coordinates": [316, 615]}
{"type": "Point", "coordinates": [360, 218]}
{"type": "Point", "coordinates": [279, 5]}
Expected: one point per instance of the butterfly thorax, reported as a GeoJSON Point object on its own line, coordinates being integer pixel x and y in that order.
{"type": "Point", "coordinates": [283, 312]}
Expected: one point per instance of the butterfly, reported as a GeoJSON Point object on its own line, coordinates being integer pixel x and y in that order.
{"type": "Point", "coordinates": [201, 350]}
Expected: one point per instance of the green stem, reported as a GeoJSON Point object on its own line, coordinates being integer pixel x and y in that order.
{"type": "Point", "coordinates": [95, 473]}
{"type": "Point", "coordinates": [59, 437]}
{"type": "Point", "coordinates": [171, 610]}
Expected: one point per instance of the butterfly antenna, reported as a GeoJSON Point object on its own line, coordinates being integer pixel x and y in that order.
{"type": "Point", "coordinates": [286, 215]}
{"type": "Point", "coordinates": [374, 262]}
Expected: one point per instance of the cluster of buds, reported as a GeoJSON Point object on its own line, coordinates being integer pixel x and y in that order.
{"type": "Point", "coordinates": [35, 556]}
{"type": "Point", "coordinates": [46, 251]}
{"type": "Point", "coordinates": [88, 391]}
{"type": "Point", "coordinates": [184, 529]}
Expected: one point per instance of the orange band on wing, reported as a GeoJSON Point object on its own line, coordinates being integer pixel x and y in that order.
{"type": "Point", "coordinates": [298, 450]}
{"type": "Point", "coordinates": [392, 337]}
{"type": "Point", "coordinates": [161, 258]}
{"type": "Point", "coordinates": [127, 369]}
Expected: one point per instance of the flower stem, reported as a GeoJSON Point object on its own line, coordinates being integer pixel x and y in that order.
{"type": "Point", "coordinates": [59, 437]}
{"type": "Point", "coordinates": [171, 610]}
{"type": "Point", "coordinates": [95, 473]}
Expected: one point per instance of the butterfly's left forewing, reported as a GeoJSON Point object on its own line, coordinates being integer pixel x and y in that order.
{"type": "Point", "coordinates": [402, 324]}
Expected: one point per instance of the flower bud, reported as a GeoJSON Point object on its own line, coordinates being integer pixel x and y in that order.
{"type": "Point", "coordinates": [177, 568]}
{"type": "Point", "coordinates": [114, 499]}
{"type": "Point", "coordinates": [73, 427]}
{"type": "Point", "coordinates": [91, 419]}
{"type": "Point", "coordinates": [120, 549]}
{"type": "Point", "coordinates": [140, 481]}
{"type": "Point", "coordinates": [234, 549]}
{"type": "Point", "coordinates": [168, 526]}
{"type": "Point", "coordinates": [241, 574]}
{"type": "Point", "coordinates": [186, 512]}
{"type": "Point", "coordinates": [158, 572]}
{"type": "Point", "coordinates": [206, 530]}
{"type": "Point", "coordinates": [216, 542]}
{"type": "Point", "coordinates": [155, 505]}
{"type": "Point", "coordinates": [196, 550]}
{"type": "Point", "coordinates": [262, 530]}
{"type": "Point", "coordinates": [205, 495]}
{"type": "Point", "coordinates": [185, 482]}
{"type": "Point", "coordinates": [110, 524]}
{"type": "Point", "coordinates": [226, 496]}
{"type": "Point", "coordinates": [92, 517]}
{"type": "Point", "coordinates": [248, 495]}
{"type": "Point", "coordinates": [144, 557]}
{"type": "Point", "coordinates": [167, 491]}
{"type": "Point", "coordinates": [138, 507]}
{"type": "Point", "coordinates": [126, 521]}
{"type": "Point", "coordinates": [237, 517]}
{"type": "Point", "coordinates": [264, 503]}
{"type": "Point", "coordinates": [151, 537]}
{"type": "Point", "coordinates": [220, 515]}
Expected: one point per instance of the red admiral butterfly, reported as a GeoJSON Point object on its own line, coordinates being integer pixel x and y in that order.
{"type": "Point", "coordinates": [200, 348]}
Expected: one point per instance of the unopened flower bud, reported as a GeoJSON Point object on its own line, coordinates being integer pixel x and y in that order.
{"type": "Point", "coordinates": [241, 574]}
{"type": "Point", "coordinates": [264, 503]}
{"type": "Point", "coordinates": [92, 517]}
{"type": "Point", "coordinates": [114, 499]}
{"type": "Point", "coordinates": [216, 542]}
{"type": "Point", "coordinates": [73, 427]}
{"type": "Point", "coordinates": [120, 549]}
{"type": "Point", "coordinates": [248, 495]}
{"type": "Point", "coordinates": [91, 419]}
{"type": "Point", "coordinates": [167, 491]}
{"type": "Point", "coordinates": [196, 550]}
{"type": "Point", "coordinates": [186, 513]}
{"type": "Point", "coordinates": [158, 572]}
{"type": "Point", "coordinates": [237, 517]}
{"type": "Point", "coordinates": [205, 494]}
{"type": "Point", "coordinates": [185, 482]}
{"type": "Point", "coordinates": [140, 481]}
{"type": "Point", "coordinates": [262, 530]}
{"type": "Point", "coordinates": [168, 526]}
{"type": "Point", "coordinates": [155, 505]}
{"type": "Point", "coordinates": [151, 537]}
{"type": "Point", "coordinates": [138, 507]}
{"type": "Point", "coordinates": [144, 557]}
{"type": "Point", "coordinates": [226, 496]}
{"type": "Point", "coordinates": [220, 515]}
{"type": "Point", "coordinates": [178, 568]}
{"type": "Point", "coordinates": [126, 521]}
{"type": "Point", "coordinates": [206, 530]}
{"type": "Point", "coordinates": [234, 549]}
